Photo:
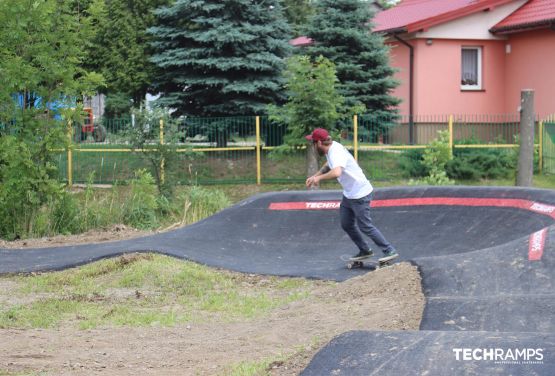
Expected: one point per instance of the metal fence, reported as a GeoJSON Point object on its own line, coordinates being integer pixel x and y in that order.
{"type": "Point", "coordinates": [548, 145]}
{"type": "Point", "coordinates": [243, 149]}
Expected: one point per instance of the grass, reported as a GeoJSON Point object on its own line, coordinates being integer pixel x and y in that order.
{"type": "Point", "coordinates": [216, 167]}
{"type": "Point", "coordinates": [209, 167]}
{"type": "Point", "coordinates": [264, 366]}
{"type": "Point", "coordinates": [136, 205]}
{"type": "Point", "coordinates": [248, 368]}
{"type": "Point", "coordinates": [143, 290]}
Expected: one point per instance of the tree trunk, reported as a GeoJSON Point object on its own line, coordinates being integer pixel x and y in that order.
{"type": "Point", "coordinates": [312, 161]}
{"type": "Point", "coordinates": [526, 152]}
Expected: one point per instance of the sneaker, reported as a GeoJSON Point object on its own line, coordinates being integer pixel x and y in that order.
{"type": "Point", "coordinates": [389, 255]}
{"type": "Point", "coordinates": [362, 255]}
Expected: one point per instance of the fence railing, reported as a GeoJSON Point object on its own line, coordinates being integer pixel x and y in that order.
{"type": "Point", "coordinates": [241, 149]}
{"type": "Point", "coordinates": [547, 142]}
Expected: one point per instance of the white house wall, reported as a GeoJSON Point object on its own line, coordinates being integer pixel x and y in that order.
{"type": "Point", "coordinates": [475, 26]}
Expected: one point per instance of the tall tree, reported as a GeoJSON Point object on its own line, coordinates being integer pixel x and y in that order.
{"type": "Point", "coordinates": [341, 30]}
{"type": "Point", "coordinates": [313, 103]}
{"type": "Point", "coordinates": [298, 13]}
{"type": "Point", "coordinates": [40, 56]}
{"type": "Point", "coordinates": [221, 57]}
{"type": "Point", "coordinates": [121, 46]}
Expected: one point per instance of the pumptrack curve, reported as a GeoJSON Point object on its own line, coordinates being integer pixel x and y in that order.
{"type": "Point", "coordinates": [486, 257]}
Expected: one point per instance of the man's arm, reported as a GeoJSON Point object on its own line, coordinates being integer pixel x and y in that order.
{"type": "Point", "coordinates": [325, 173]}
{"type": "Point", "coordinates": [325, 169]}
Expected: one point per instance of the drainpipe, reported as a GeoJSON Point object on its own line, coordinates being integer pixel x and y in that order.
{"type": "Point", "coordinates": [411, 87]}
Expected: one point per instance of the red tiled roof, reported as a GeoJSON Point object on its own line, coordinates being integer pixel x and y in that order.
{"type": "Point", "coordinates": [301, 41]}
{"type": "Point", "coordinates": [533, 14]}
{"type": "Point", "coordinates": [411, 11]}
{"type": "Point", "coordinates": [414, 15]}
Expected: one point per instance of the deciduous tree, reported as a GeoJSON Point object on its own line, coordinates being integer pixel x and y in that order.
{"type": "Point", "coordinates": [41, 52]}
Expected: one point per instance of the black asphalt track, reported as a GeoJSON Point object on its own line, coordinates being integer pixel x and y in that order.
{"type": "Point", "coordinates": [486, 256]}
{"type": "Point", "coordinates": [434, 353]}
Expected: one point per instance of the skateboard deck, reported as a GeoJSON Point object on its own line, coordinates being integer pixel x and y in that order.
{"type": "Point", "coordinates": [351, 264]}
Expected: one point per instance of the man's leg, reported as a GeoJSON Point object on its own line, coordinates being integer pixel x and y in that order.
{"type": "Point", "coordinates": [349, 225]}
{"type": "Point", "coordinates": [361, 209]}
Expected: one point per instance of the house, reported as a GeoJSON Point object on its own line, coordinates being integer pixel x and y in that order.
{"type": "Point", "coordinates": [471, 56]}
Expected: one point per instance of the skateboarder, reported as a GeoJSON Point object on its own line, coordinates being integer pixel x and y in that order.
{"type": "Point", "coordinates": [357, 195]}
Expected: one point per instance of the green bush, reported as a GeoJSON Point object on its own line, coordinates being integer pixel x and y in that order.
{"type": "Point", "coordinates": [467, 164]}
{"type": "Point", "coordinates": [411, 163]}
{"type": "Point", "coordinates": [66, 215]}
{"type": "Point", "coordinates": [435, 158]}
{"type": "Point", "coordinates": [141, 208]}
{"type": "Point", "coordinates": [145, 135]}
{"type": "Point", "coordinates": [26, 185]}
{"type": "Point", "coordinates": [58, 216]}
{"type": "Point", "coordinates": [69, 212]}
{"type": "Point", "coordinates": [460, 169]}
{"type": "Point", "coordinates": [482, 164]}
{"type": "Point", "coordinates": [199, 203]}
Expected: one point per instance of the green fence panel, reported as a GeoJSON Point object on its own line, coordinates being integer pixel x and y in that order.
{"type": "Point", "coordinates": [550, 131]}
{"type": "Point", "coordinates": [107, 167]}
{"type": "Point", "coordinates": [549, 147]}
{"type": "Point", "coordinates": [279, 167]}
{"type": "Point", "coordinates": [387, 153]}
{"type": "Point", "coordinates": [224, 149]}
{"type": "Point", "coordinates": [385, 150]}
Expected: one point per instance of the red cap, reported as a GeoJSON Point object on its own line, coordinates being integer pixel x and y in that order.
{"type": "Point", "coordinates": [319, 134]}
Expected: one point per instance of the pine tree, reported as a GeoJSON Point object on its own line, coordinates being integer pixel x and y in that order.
{"type": "Point", "coordinates": [121, 47]}
{"type": "Point", "coordinates": [221, 57]}
{"type": "Point", "coordinates": [342, 33]}
{"type": "Point", "coordinates": [298, 12]}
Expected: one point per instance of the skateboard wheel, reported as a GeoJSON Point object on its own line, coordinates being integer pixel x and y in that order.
{"type": "Point", "coordinates": [349, 266]}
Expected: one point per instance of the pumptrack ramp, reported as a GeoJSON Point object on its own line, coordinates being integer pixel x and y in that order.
{"type": "Point", "coordinates": [486, 257]}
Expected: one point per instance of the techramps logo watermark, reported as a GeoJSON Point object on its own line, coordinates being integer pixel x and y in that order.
{"type": "Point", "coordinates": [520, 356]}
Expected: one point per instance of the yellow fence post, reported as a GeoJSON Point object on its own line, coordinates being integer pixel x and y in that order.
{"type": "Point", "coordinates": [451, 136]}
{"type": "Point", "coordinates": [162, 162]}
{"type": "Point", "coordinates": [355, 136]}
{"type": "Point", "coordinates": [70, 155]}
{"type": "Point", "coordinates": [540, 162]}
{"type": "Point", "coordinates": [258, 167]}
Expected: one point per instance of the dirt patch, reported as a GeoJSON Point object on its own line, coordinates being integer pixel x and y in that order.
{"type": "Point", "coordinates": [387, 299]}
{"type": "Point", "coordinates": [115, 232]}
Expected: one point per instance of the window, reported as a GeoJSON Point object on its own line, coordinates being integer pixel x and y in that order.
{"type": "Point", "coordinates": [471, 68]}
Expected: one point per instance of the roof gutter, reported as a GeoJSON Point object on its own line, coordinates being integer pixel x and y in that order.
{"type": "Point", "coordinates": [396, 30]}
{"type": "Point", "coordinates": [411, 86]}
{"type": "Point", "coordinates": [524, 27]}
{"type": "Point", "coordinates": [478, 6]}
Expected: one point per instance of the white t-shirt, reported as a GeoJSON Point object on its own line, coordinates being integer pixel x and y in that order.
{"type": "Point", "coordinates": [354, 182]}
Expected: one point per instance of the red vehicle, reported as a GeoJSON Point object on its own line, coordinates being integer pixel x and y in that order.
{"type": "Point", "coordinates": [89, 127]}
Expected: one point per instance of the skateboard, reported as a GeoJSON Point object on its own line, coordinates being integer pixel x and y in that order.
{"type": "Point", "coordinates": [351, 264]}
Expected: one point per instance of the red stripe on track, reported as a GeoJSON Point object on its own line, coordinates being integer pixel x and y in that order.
{"type": "Point", "coordinates": [536, 245]}
{"type": "Point", "coordinates": [425, 201]}
{"type": "Point", "coordinates": [311, 205]}
{"type": "Point", "coordinates": [536, 241]}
